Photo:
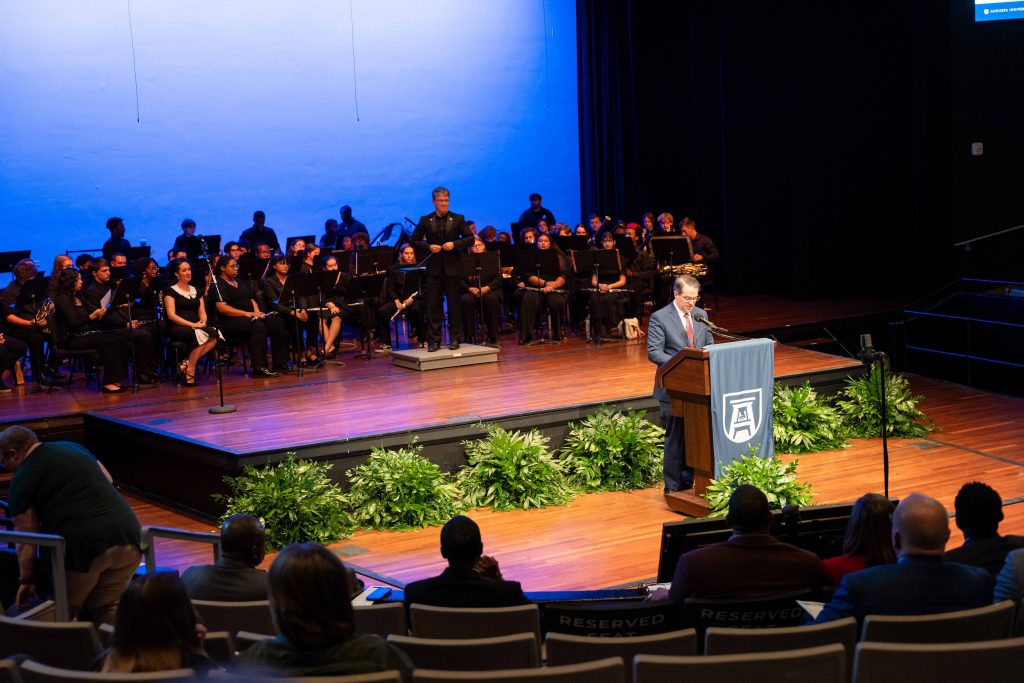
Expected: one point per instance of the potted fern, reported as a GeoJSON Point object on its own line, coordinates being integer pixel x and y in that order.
{"type": "Point", "coordinates": [804, 422]}
{"type": "Point", "coordinates": [400, 489]}
{"type": "Point", "coordinates": [861, 406]}
{"type": "Point", "coordinates": [512, 470]}
{"type": "Point", "coordinates": [613, 451]}
{"type": "Point", "coordinates": [775, 478]}
{"type": "Point", "coordinates": [295, 499]}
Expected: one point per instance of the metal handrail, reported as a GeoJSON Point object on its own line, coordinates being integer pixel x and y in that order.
{"type": "Point", "coordinates": [968, 243]}
{"type": "Point", "coordinates": [151, 532]}
{"type": "Point", "coordinates": [60, 580]}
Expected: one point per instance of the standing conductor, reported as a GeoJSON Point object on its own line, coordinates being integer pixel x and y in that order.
{"type": "Point", "coordinates": [445, 234]}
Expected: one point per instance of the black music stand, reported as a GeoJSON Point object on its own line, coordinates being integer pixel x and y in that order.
{"type": "Point", "coordinates": [602, 263]}
{"type": "Point", "coordinates": [370, 265]}
{"type": "Point", "coordinates": [671, 250]}
{"type": "Point", "coordinates": [122, 296]}
{"type": "Point", "coordinates": [253, 270]}
{"type": "Point", "coordinates": [307, 286]}
{"type": "Point", "coordinates": [9, 259]}
{"type": "Point", "coordinates": [374, 260]}
{"type": "Point", "coordinates": [480, 268]}
{"type": "Point", "coordinates": [534, 262]}
{"type": "Point", "coordinates": [569, 243]}
{"type": "Point", "coordinates": [627, 250]}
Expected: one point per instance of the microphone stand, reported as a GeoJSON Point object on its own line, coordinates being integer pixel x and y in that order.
{"type": "Point", "coordinates": [870, 356]}
{"type": "Point", "coordinates": [222, 408]}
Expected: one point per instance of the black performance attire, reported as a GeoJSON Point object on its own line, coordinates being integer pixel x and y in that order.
{"type": "Point", "coordinates": [16, 306]}
{"type": "Point", "coordinates": [11, 349]}
{"type": "Point", "coordinates": [115, 321]}
{"type": "Point", "coordinates": [491, 307]}
{"type": "Point", "coordinates": [273, 290]}
{"type": "Point", "coordinates": [190, 245]}
{"type": "Point", "coordinates": [350, 229]}
{"type": "Point", "coordinates": [72, 322]}
{"type": "Point", "coordinates": [265, 235]}
{"type": "Point", "coordinates": [608, 308]}
{"type": "Point", "coordinates": [254, 330]}
{"type": "Point", "coordinates": [187, 307]}
{"type": "Point", "coordinates": [398, 286]}
{"type": "Point", "coordinates": [703, 245]}
{"type": "Point", "coordinates": [531, 218]}
{"type": "Point", "coordinates": [115, 245]}
{"type": "Point", "coordinates": [553, 302]}
{"type": "Point", "coordinates": [443, 269]}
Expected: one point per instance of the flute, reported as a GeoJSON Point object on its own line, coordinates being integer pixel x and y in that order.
{"type": "Point", "coordinates": [407, 302]}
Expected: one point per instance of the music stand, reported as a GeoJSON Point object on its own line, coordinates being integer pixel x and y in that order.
{"type": "Point", "coordinates": [535, 262]}
{"type": "Point", "coordinates": [253, 270]}
{"type": "Point", "coordinates": [480, 268]}
{"type": "Point", "coordinates": [373, 260]}
{"type": "Point", "coordinates": [569, 243]}
{"type": "Point", "coordinates": [626, 248]}
{"type": "Point", "coordinates": [9, 259]}
{"type": "Point", "coordinates": [122, 296]}
{"type": "Point", "coordinates": [371, 265]}
{"type": "Point", "coordinates": [672, 250]}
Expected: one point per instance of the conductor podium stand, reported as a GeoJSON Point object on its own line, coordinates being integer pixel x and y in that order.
{"type": "Point", "coordinates": [724, 395]}
{"type": "Point", "coordinates": [687, 379]}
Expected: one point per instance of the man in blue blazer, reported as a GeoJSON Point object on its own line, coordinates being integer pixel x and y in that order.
{"type": "Point", "coordinates": [920, 582]}
{"type": "Point", "coordinates": [673, 328]}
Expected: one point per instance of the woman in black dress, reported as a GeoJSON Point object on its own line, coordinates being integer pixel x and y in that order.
{"type": "Point", "coordinates": [543, 289]}
{"type": "Point", "coordinates": [73, 331]}
{"type": "Point", "coordinates": [481, 295]}
{"type": "Point", "coordinates": [277, 295]}
{"type": "Point", "coordinates": [185, 313]}
{"type": "Point", "coordinates": [608, 303]}
{"type": "Point", "coordinates": [240, 317]}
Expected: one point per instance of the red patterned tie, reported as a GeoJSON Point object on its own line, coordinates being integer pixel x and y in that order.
{"type": "Point", "coordinates": [689, 327]}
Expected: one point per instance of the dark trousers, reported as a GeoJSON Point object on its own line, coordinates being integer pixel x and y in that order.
{"type": "Point", "coordinates": [34, 339]}
{"type": "Point", "coordinates": [143, 340]}
{"type": "Point", "coordinates": [113, 351]}
{"type": "Point", "coordinates": [675, 470]}
{"type": "Point", "coordinates": [412, 313]}
{"type": "Point", "coordinates": [11, 350]}
{"type": "Point", "coordinates": [255, 332]}
{"type": "Point", "coordinates": [446, 286]}
{"type": "Point", "coordinates": [492, 314]}
{"type": "Point", "coordinates": [533, 302]}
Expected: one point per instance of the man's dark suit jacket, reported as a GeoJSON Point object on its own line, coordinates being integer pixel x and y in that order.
{"type": "Point", "coordinates": [745, 566]}
{"type": "Point", "coordinates": [988, 553]}
{"type": "Point", "coordinates": [464, 588]}
{"type": "Point", "coordinates": [228, 581]}
{"type": "Point", "coordinates": [434, 230]}
{"type": "Point", "coordinates": [914, 585]}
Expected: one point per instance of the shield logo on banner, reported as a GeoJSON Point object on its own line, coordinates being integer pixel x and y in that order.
{"type": "Point", "coordinates": [742, 414]}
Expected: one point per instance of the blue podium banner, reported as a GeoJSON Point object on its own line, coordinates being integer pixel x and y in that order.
{"type": "Point", "coordinates": [742, 380]}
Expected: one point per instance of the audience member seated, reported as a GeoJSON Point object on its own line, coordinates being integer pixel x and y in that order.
{"type": "Point", "coordinates": [234, 577]}
{"type": "Point", "coordinates": [868, 540]}
{"type": "Point", "coordinates": [472, 579]}
{"type": "Point", "coordinates": [920, 582]}
{"type": "Point", "coordinates": [979, 510]}
{"type": "Point", "coordinates": [309, 598]}
{"type": "Point", "coordinates": [1010, 582]}
{"type": "Point", "coordinates": [751, 563]}
{"type": "Point", "coordinates": [155, 629]}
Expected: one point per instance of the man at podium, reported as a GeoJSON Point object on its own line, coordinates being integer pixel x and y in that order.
{"type": "Point", "coordinates": [673, 328]}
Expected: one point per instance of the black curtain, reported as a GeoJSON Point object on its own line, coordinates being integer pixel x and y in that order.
{"type": "Point", "coordinates": [810, 140]}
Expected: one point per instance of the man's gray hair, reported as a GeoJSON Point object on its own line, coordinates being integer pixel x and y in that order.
{"type": "Point", "coordinates": [685, 281]}
{"type": "Point", "coordinates": [17, 438]}
{"type": "Point", "coordinates": [439, 191]}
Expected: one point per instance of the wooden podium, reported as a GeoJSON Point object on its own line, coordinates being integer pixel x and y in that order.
{"type": "Point", "coordinates": [687, 379]}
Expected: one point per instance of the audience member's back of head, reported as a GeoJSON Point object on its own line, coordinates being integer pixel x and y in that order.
{"type": "Point", "coordinates": [920, 526]}
{"type": "Point", "coordinates": [243, 538]}
{"type": "Point", "coordinates": [869, 531]}
{"type": "Point", "coordinates": [749, 511]}
{"type": "Point", "coordinates": [309, 596]}
{"type": "Point", "coordinates": [979, 510]}
{"type": "Point", "coordinates": [155, 627]}
{"type": "Point", "coordinates": [461, 544]}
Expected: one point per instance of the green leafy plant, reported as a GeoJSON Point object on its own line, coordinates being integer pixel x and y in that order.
{"type": "Point", "coordinates": [804, 422]}
{"type": "Point", "coordinates": [295, 499]}
{"type": "Point", "coordinates": [613, 451]}
{"type": "Point", "coordinates": [776, 478]}
{"type": "Point", "coordinates": [860, 406]}
{"type": "Point", "coordinates": [511, 470]}
{"type": "Point", "coordinates": [400, 489]}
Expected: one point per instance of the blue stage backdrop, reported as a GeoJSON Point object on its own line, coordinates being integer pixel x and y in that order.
{"type": "Point", "coordinates": [156, 111]}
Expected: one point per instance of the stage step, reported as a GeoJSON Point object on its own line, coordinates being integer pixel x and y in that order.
{"type": "Point", "coordinates": [421, 359]}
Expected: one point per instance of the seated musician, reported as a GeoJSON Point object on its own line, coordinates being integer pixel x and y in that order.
{"type": "Point", "coordinates": [581, 230]}
{"type": "Point", "coordinates": [297, 247]}
{"type": "Point", "coordinates": [704, 250]}
{"type": "Point", "coordinates": [639, 273]}
{"type": "Point", "coordinates": [665, 225]}
{"type": "Point", "coordinates": [149, 290]}
{"type": "Point", "coordinates": [74, 330]}
{"type": "Point", "coordinates": [239, 316]}
{"type": "Point", "coordinates": [11, 350]}
{"type": "Point", "coordinates": [20, 321]}
{"type": "Point", "coordinates": [60, 263]}
{"type": "Point", "coordinates": [607, 304]}
{"type": "Point", "coordinates": [401, 294]}
{"type": "Point", "coordinates": [309, 261]}
{"type": "Point", "coordinates": [338, 308]}
{"type": "Point", "coordinates": [481, 294]}
{"type": "Point", "coordinates": [185, 318]}
{"type": "Point", "coordinates": [360, 241]}
{"type": "Point", "coordinates": [262, 250]}
{"type": "Point", "coordinates": [292, 309]}
{"type": "Point", "coordinates": [543, 290]}
{"type": "Point", "coordinates": [119, 320]}
{"type": "Point", "coordinates": [329, 240]}
{"type": "Point", "coordinates": [647, 223]}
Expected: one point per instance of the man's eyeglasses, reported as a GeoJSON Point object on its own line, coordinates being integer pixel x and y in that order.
{"type": "Point", "coordinates": [689, 299]}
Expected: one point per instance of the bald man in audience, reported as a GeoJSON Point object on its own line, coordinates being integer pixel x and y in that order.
{"type": "Point", "coordinates": [234, 577]}
{"type": "Point", "coordinates": [920, 582]}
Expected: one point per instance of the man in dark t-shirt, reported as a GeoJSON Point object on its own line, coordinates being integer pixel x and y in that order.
{"type": "Point", "coordinates": [60, 488]}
